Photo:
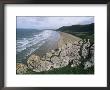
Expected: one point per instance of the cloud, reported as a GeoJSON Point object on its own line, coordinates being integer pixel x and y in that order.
{"type": "Point", "coordinates": [45, 22]}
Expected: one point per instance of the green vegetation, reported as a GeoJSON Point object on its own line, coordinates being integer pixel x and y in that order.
{"type": "Point", "coordinates": [78, 28]}
{"type": "Point", "coordinates": [66, 70]}
{"type": "Point", "coordinates": [85, 35]}
{"type": "Point", "coordinates": [82, 31]}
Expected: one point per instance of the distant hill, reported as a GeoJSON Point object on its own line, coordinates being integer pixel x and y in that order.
{"type": "Point", "coordinates": [78, 28]}
{"type": "Point", "coordinates": [82, 31]}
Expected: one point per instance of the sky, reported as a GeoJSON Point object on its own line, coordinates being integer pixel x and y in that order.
{"type": "Point", "coordinates": [46, 22]}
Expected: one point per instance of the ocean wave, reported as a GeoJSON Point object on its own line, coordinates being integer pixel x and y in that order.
{"type": "Point", "coordinates": [39, 39]}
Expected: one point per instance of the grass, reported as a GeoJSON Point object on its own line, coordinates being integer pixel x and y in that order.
{"type": "Point", "coordinates": [66, 70]}
{"type": "Point", "coordinates": [83, 35]}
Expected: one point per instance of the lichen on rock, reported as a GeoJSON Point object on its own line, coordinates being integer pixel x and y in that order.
{"type": "Point", "coordinates": [56, 61]}
{"type": "Point", "coordinates": [21, 68]}
{"type": "Point", "coordinates": [33, 61]}
{"type": "Point", "coordinates": [88, 64]}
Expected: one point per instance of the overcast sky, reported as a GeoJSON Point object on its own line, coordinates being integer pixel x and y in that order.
{"type": "Point", "coordinates": [50, 22]}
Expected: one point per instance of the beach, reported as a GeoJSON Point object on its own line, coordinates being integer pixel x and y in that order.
{"type": "Point", "coordinates": [65, 38]}
{"type": "Point", "coordinates": [52, 40]}
{"type": "Point", "coordinates": [55, 43]}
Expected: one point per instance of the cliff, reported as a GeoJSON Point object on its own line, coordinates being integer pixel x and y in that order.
{"type": "Point", "coordinates": [73, 54]}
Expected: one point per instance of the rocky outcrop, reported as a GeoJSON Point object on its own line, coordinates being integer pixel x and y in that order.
{"type": "Point", "coordinates": [90, 61]}
{"type": "Point", "coordinates": [21, 68]}
{"type": "Point", "coordinates": [33, 62]}
{"type": "Point", "coordinates": [73, 54]}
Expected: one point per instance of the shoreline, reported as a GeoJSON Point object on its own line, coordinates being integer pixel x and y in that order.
{"type": "Point", "coordinates": [53, 43]}
{"type": "Point", "coordinates": [58, 58]}
{"type": "Point", "coordinates": [63, 39]}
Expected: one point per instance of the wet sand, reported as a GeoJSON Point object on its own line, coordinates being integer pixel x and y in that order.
{"type": "Point", "coordinates": [54, 43]}
{"type": "Point", "coordinates": [50, 44]}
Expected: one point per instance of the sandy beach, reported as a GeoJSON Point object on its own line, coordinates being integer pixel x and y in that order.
{"type": "Point", "coordinates": [65, 38]}
{"type": "Point", "coordinates": [52, 43]}
{"type": "Point", "coordinates": [55, 41]}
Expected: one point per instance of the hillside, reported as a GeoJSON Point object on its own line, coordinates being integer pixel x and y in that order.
{"type": "Point", "coordinates": [78, 28]}
{"type": "Point", "coordinates": [82, 31]}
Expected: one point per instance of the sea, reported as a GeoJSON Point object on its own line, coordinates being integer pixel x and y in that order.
{"type": "Point", "coordinates": [29, 41]}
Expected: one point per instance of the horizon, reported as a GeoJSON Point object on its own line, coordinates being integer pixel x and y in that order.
{"type": "Point", "coordinates": [51, 22]}
{"type": "Point", "coordinates": [52, 28]}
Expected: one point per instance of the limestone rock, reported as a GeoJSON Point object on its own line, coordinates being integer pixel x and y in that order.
{"type": "Point", "coordinates": [84, 51]}
{"type": "Point", "coordinates": [63, 47]}
{"type": "Point", "coordinates": [47, 58]}
{"type": "Point", "coordinates": [68, 54]}
{"type": "Point", "coordinates": [85, 48]}
{"type": "Point", "coordinates": [92, 53]}
{"type": "Point", "coordinates": [56, 61]}
{"type": "Point", "coordinates": [92, 49]}
{"type": "Point", "coordinates": [64, 61]}
{"type": "Point", "coordinates": [88, 64]}
{"type": "Point", "coordinates": [75, 63]}
{"type": "Point", "coordinates": [21, 68]}
{"type": "Point", "coordinates": [92, 59]}
{"type": "Point", "coordinates": [80, 42]}
{"type": "Point", "coordinates": [43, 59]}
{"type": "Point", "coordinates": [33, 61]}
{"type": "Point", "coordinates": [63, 53]}
{"type": "Point", "coordinates": [76, 42]}
{"type": "Point", "coordinates": [49, 54]}
{"type": "Point", "coordinates": [57, 52]}
{"type": "Point", "coordinates": [52, 51]}
{"type": "Point", "coordinates": [43, 66]}
{"type": "Point", "coordinates": [69, 45]}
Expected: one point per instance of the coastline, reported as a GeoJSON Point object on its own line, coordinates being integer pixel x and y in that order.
{"type": "Point", "coordinates": [64, 59]}
{"type": "Point", "coordinates": [48, 45]}
{"type": "Point", "coordinates": [54, 42]}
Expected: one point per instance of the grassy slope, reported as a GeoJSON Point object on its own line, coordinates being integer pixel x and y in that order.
{"type": "Point", "coordinates": [82, 31]}
{"type": "Point", "coordinates": [66, 70]}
